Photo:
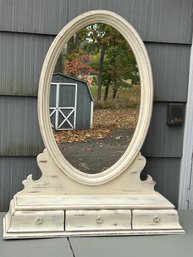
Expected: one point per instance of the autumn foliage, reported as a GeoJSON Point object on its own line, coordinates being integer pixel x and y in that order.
{"type": "Point", "coordinates": [105, 122]}
{"type": "Point", "coordinates": [78, 65]}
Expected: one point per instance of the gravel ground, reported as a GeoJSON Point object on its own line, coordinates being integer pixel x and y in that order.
{"type": "Point", "coordinates": [97, 155]}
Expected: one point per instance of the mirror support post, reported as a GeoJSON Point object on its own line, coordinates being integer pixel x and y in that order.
{"type": "Point", "coordinates": [56, 206]}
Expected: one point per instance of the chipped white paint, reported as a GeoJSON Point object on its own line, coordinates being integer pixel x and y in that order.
{"type": "Point", "coordinates": [66, 201]}
{"type": "Point", "coordinates": [33, 221]}
{"type": "Point", "coordinates": [146, 83]}
{"type": "Point", "coordinates": [155, 219]}
{"type": "Point", "coordinates": [61, 206]}
{"type": "Point", "coordinates": [98, 220]}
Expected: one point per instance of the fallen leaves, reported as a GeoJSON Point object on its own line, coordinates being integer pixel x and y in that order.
{"type": "Point", "coordinates": [116, 119]}
{"type": "Point", "coordinates": [105, 122]}
{"type": "Point", "coordinates": [71, 136]}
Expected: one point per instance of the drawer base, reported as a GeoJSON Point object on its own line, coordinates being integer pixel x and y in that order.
{"type": "Point", "coordinates": [90, 234]}
{"type": "Point", "coordinates": [61, 222]}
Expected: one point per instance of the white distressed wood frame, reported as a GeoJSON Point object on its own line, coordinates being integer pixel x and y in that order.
{"type": "Point", "coordinates": [68, 202]}
{"type": "Point", "coordinates": [146, 82]}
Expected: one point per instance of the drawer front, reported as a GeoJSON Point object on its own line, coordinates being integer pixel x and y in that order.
{"type": "Point", "coordinates": [93, 220]}
{"type": "Point", "coordinates": [37, 221]}
{"type": "Point", "coordinates": [155, 219]}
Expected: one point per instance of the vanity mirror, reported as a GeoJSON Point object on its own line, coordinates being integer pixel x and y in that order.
{"type": "Point", "coordinates": [95, 98]}
{"type": "Point", "coordinates": [66, 201]}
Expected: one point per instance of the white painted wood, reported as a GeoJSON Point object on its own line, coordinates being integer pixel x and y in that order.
{"type": "Point", "coordinates": [110, 196]}
{"type": "Point", "coordinates": [186, 162]}
{"type": "Point", "coordinates": [58, 110]}
{"type": "Point", "coordinates": [102, 220]}
{"type": "Point", "coordinates": [91, 233]}
{"type": "Point", "coordinates": [55, 191]}
{"type": "Point", "coordinates": [37, 221]}
{"type": "Point", "coordinates": [91, 113]}
{"type": "Point", "coordinates": [68, 202]}
{"type": "Point", "coordinates": [155, 219]}
{"type": "Point", "coordinates": [146, 82]}
{"type": "Point", "coordinates": [53, 181]}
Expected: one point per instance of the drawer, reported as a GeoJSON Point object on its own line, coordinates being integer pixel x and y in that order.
{"type": "Point", "coordinates": [94, 220]}
{"type": "Point", "coordinates": [37, 221]}
{"type": "Point", "coordinates": [155, 219]}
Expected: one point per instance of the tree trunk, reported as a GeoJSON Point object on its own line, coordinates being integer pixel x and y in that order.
{"type": "Point", "coordinates": [102, 54]}
{"type": "Point", "coordinates": [106, 93]}
{"type": "Point", "coordinates": [114, 93]}
{"type": "Point", "coordinates": [59, 65]}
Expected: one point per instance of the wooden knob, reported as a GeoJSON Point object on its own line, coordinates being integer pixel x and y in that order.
{"type": "Point", "coordinates": [39, 220]}
{"type": "Point", "coordinates": [156, 219]}
{"type": "Point", "coordinates": [99, 220]}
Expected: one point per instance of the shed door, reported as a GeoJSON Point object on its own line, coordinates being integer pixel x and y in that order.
{"type": "Point", "coordinates": [63, 101]}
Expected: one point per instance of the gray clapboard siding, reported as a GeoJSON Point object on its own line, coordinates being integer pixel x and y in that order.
{"type": "Point", "coordinates": [155, 20]}
{"type": "Point", "coordinates": [165, 172]}
{"type": "Point", "coordinates": [158, 21]}
{"type": "Point", "coordinates": [21, 56]}
{"type": "Point", "coordinates": [20, 134]}
{"type": "Point", "coordinates": [170, 66]}
{"type": "Point", "coordinates": [20, 76]}
{"type": "Point", "coordinates": [162, 140]}
{"type": "Point", "coordinates": [33, 16]}
{"type": "Point", "coordinates": [13, 170]}
{"type": "Point", "coordinates": [19, 127]}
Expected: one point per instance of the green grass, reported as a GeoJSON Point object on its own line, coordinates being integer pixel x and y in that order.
{"type": "Point", "coordinates": [126, 98]}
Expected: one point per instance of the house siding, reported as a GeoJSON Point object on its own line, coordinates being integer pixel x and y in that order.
{"type": "Point", "coordinates": [27, 29]}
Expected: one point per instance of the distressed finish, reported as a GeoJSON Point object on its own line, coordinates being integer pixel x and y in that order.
{"type": "Point", "coordinates": [155, 219]}
{"type": "Point", "coordinates": [57, 194]}
{"type": "Point", "coordinates": [41, 221]}
{"type": "Point", "coordinates": [65, 201]}
{"type": "Point", "coordinates": [158, 22]}
{"type": "Point", "coordinates": [100, 220]}
{"type": "Point", "coordinates": [146, 246]}
{"type": "Point", "coordinates": [146, 82]}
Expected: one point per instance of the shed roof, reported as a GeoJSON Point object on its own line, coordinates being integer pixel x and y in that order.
{"type": "Point", "coordinates": [76, 80]}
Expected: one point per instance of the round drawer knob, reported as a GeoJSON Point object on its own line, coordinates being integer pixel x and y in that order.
{"type": "Point", "coordinates": [156, 219]}
{"type": "Point", "coordinates": [39, 221]}
{"type": "Point", "coordinates": [99, 220]}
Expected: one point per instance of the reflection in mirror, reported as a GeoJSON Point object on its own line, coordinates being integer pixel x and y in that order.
{"type": "Point", "coordinates": [95, 98]}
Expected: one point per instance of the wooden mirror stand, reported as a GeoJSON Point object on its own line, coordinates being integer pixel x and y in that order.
{"type": "Point", "coordinates": [68, 202]}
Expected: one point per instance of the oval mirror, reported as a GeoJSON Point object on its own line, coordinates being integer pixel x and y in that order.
{"type": "Point", "coordinates": [146, 95]}
{"type": "Point", "coordinates": [95, 98]}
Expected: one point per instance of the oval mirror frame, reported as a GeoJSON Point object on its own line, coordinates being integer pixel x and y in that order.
{"type": "Point", "coordinates": [146, 103]}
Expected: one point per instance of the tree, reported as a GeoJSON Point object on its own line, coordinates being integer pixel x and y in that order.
{"type": "Point", "coordinates": [79, 65]}
{"type": "Point", "coordinates": [116, 61]}
{"type": "Point", "coordinates": [101, 50]}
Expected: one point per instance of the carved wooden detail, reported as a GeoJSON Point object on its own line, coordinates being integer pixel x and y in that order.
{"type": "Point", "coordinates": [68, 202]}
